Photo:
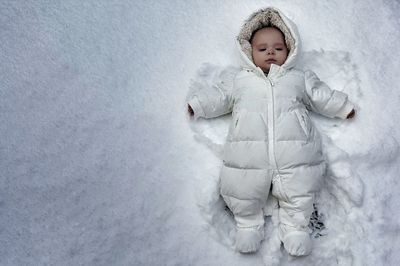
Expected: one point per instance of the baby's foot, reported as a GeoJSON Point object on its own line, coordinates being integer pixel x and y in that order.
{"type": "Point", "coordinates": [297, 243]}
{"type": "Point", "coordinates": [248, 239]}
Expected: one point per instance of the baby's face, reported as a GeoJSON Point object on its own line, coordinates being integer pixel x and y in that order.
{"type": "Point", "coordinates": [269, 48]}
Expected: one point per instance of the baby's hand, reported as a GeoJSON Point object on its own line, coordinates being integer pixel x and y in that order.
{"type": "Point", "coordinates": [351, 114]}
{"type": "Point", "coordinates": [190, 110]}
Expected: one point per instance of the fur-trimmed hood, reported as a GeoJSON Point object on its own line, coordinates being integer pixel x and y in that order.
{"type": "Point", "coordinates": [269, 16]}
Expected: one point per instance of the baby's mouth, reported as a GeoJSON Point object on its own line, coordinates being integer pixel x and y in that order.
{"type": "Point", "coordinates": [269, 61]}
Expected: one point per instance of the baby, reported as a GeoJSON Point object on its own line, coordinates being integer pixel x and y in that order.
{"type": "Point", "coordinates": [272, 146]}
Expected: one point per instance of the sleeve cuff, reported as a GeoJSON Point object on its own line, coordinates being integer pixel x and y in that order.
{"type": "Point", "coordinates": [345, 110]}
{"type": "Point", "coordinates": [197, 109]}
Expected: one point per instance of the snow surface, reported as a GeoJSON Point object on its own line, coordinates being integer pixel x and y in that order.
{"type": "Point", "coordinates": [101, 165]}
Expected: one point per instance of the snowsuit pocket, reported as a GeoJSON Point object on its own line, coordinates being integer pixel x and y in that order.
{"type": "Point", "coordinates": [303, 121]}
{"type": "Point", "coordinates": [238, 125]}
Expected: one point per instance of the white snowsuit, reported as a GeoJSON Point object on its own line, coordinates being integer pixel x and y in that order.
{"type": "Point", "coordinates": [271, 138]}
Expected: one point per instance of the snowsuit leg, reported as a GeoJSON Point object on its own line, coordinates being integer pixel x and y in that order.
{"type": "Point", "coordinates": [247, 202]}
{"type": "Point", "coordinates": [247, 213]}
{"type": "Point", "coordinates": [249, 217]}
{"type": "Point", "coordinates": [296, 206]}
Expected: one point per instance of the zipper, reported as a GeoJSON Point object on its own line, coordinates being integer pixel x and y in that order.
{"type": "Point", "coordinates": [271, 125]}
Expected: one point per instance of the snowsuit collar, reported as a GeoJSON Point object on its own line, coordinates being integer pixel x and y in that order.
{"type": "Point", "coordinates": [262, 18]}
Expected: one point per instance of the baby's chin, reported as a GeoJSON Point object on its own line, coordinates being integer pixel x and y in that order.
{"type": "Point", "coordinates": [265, 69]}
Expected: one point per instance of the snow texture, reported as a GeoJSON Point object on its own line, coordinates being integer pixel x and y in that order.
{"type": "Point", "coordinates": [100, 163]}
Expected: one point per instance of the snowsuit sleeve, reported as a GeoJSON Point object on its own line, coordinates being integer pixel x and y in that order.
{"type": "Point", "coordinates": [210, 93]}
{"type": "Point", "coordinates": [325, 101]}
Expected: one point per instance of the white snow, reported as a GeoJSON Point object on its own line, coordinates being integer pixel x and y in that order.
{"type": "Point", "coordinates": [101, 165]}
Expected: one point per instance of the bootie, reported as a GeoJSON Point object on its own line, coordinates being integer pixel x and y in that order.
{"type": "Point", "coordinates": [248, 239]}
{"type": "Point", "coordinates": [297, 243]}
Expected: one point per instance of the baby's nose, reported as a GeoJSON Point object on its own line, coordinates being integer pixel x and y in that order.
{"type": "Point", "coordinates": [270, 51]}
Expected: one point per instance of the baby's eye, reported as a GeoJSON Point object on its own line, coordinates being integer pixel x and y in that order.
{"type": "Point", "coordinates": [262, 50]}
{"type": "Point", "coordinates": [279, 49]}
